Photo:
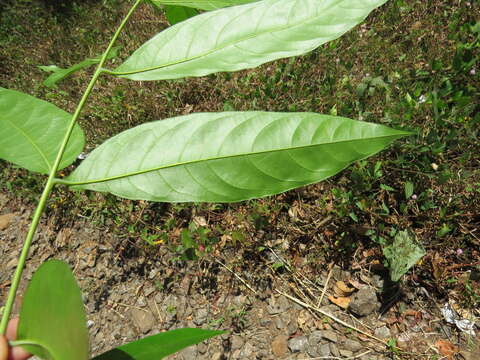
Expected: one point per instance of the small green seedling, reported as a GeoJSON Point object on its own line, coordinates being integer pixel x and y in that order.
{"type": "Point", "coordinates": [205, 157]}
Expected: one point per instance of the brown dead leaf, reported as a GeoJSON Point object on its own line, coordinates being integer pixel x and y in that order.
{"type": "Point", "coordinates": [438, 268]}
{"type": "Point", "coordinates": [446, 348]}
{"type": "Point", "coordinates": [340, 301]}
{"type": "Point", "coordinates": [355, 284]}
{"type": "Point", "coordinates": [341, 289]}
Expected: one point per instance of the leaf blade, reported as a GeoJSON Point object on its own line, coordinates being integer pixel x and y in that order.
{"type": "Point", "coordinates": [228, 156]}
{"type": "Point", "coordinates": [52, 314]}
{"type": "Point", "coordinates": [158, 346]}
{"type": "Point", "coordinates": [202, 4]}
{"type": "Point", "coordinates": [228, 40]}
{"type": "Point", "coordinates": [32, 130]}
{"type": "Point", "coordinates": [176, 14]}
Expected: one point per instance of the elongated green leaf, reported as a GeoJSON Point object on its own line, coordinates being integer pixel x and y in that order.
{"type": "Point", "coordinates": [52, 315]}
{"type": "Point", "coordinates": [59, 74]}
{"type": "Point", "coordinates": [229, 156]}
{"type": "Point", "coordinates": [201, 4]}
{"type": "Point", "coordinates": [176, 14]}
{"type": "Point", "coordinates": [243, 36]}
{"type": "Point", "coordinates": [31, 131]}
{"type": "Point", "coordinates": [158, 346]}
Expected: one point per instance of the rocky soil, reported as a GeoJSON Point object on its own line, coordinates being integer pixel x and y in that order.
{"type": "Point", "coordinates": [287, 313]}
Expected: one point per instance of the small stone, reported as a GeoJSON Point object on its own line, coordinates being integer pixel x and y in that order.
{"type": "Point", "coordinates": [237, 342]}
{"type": "Point", "coordinates": [277, 305]}
{"type": "Point", "coordinates": [364, 302]}
{"type": "Point", "coordinates": [298, 344]}
{"type": "Point", "coordinates": [5, 220]}
{"type": "Point", "coordinates": [334, 350]}
{"type": "Point", "coordinates": [201, 316]}
{"type": "Point", "coordinates": [143, 320]}
{"type": "Point", "coordinates": [202, 348]}
{"type": "Point", "coordinates": [345, 353]}
{"type": "Point", "coordinates": [352, 345]}
{"type": "Point", "coordinates": [247, 351]}
{"type": "Point", "coordinates": [280, 346]}
{"type": "Point", "coordinates": [329, 335]}
{"type": "Point", "coordinates": [382, 332]}
{"type": "Point", "coordinates": [189, 353]}
{"type": "Point", "coordinates": [279, 322]}
{"type": "Point", "coordinates": [324, 350]}
{"type": "Point", "coordinates": [217, 356]}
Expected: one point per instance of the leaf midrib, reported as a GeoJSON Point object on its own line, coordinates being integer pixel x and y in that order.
{"type": "Point", "coordinates": [280, 28]}
{"type": "Point", "coordinates": [140, 172]}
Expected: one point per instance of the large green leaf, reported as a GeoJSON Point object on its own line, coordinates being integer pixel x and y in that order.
{"type": "Point", "coordinates": [229, 156]}
{"type": "Point", "coordinates": [31, 131]}
{"type": "Point", "coordinates": [158, 346]}
{"type": "Point", "coordinates": [243, 36]}
{"type": "Point", "coordinates": [176, 14]}
{"type": "Point", "coordinates": [52, 315]}
{"type": "Point", "coordinates": [202, 4]}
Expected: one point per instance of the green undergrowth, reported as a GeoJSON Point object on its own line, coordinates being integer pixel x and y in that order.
{"type": "Point", "coordinates": [412, 65]}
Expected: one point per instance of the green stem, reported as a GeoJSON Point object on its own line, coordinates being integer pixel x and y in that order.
{"type": "Point", "coordinates": [51, 178]}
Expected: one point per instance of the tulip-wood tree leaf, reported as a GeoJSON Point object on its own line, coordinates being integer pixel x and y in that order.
{"type": "Point", "coordinates": [242, 37]}
{"type": "Point", "coordinates": [31, 131]}
{"type": "Point", "coordinates": [158, 346]}
{"type": "Point", "coordinates": [229, 156]}
{"type": "Point", "coordinates": [52, 318]}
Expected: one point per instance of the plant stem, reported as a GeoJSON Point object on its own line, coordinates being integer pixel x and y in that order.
{"type": "Point", "coordinates": [51, 178]}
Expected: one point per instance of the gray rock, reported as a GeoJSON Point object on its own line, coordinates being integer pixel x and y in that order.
{"type": "Point", "coordinates": [277, 305]}
{"type": "Point", "coordinates": [143, 320]}
{"type": "Point", "coordinates": [237, 342]}
{"type": "Point", "coordinates": [201, 316]}
{"type": "Point", "coordinates": [334, 350]}
{"type": "Point", "coordinates": [364, 302]}
{"type": "Point", "coordinates": [189, 353]}
{"type": "Point", "coordinates": [247, 351]}
{"type": "Point", "coordinates": [382, 332]}
{"type": "Point", "coordinates": [324, 350]}
{"type": "Point", "coordinates": [345, 353]}
{"type": "Point", "coordinates": [352, 345]}
{"type": "Point", "coordinates": [329, 335]}
{"type": "Point", "coordinates": [298, 344]}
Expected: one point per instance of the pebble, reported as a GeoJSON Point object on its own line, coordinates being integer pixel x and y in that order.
{"type": "Point", "coordinates": [382, 332]}
{"type": "Point", "coordinates": [143, 320]}
{"type": "Point", "coordinates": [329, 335]}
{"type": "Point", "coordinates": [298, 344]}
{"type": "Point", "coordinates": [280, 346]}
{"type": "Point", "coordinates": [364, 302]}
{"type": "Point", "coordinates": [5, 220]}
{"type": "Point", "coordinates": [352, 345]}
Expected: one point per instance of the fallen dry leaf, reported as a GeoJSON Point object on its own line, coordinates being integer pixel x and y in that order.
{"type": "Point", "coordinates": [341, 289]}
{"type": "Point", "coordinates": [341, 301]}
{"type": "Point", "coordinates": [446, 348]}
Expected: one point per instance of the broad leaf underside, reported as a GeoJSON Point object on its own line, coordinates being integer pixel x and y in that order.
{"type": "Point", "coordinates": [228, 157]}
{"type": "Point", "coordinates": [243, 36]}
{"type": "Point", "coordinates": [31, 131]}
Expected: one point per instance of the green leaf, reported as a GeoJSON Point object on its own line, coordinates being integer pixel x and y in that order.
{"type": "Point", "coordinates": [201, 4]}
{"type": "Point", "coordinates": [59, 73]}
{"type": "Point", "coordinates": [408, 187]}
{"type": "Point", "coordinates": [176, 14]}
{"type": "Point", "coordinates": [243, 37]}
{"type": "Point", "coordinates": [31, 131]}
{"type": "Point", "coordinates": [158, 346]}
{"type": "Point", "coordinates": [227, 156]}
{"type": "Point", "coordinates": [52, 315]}
{"type": "Point", "coordinates": [402, 254]}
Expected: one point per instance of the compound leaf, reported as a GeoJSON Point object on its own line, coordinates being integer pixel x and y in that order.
{"type": "Point", "coordinates": [227, 156]}
{"type": "Point", "coordinates": [31, 131]}
{"type": "Point", "coordinates": [158, 346]}
{"type": "Point", "coordinates": [242, 37]}
{"type": "Point", "coordinates": [52, 317]}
